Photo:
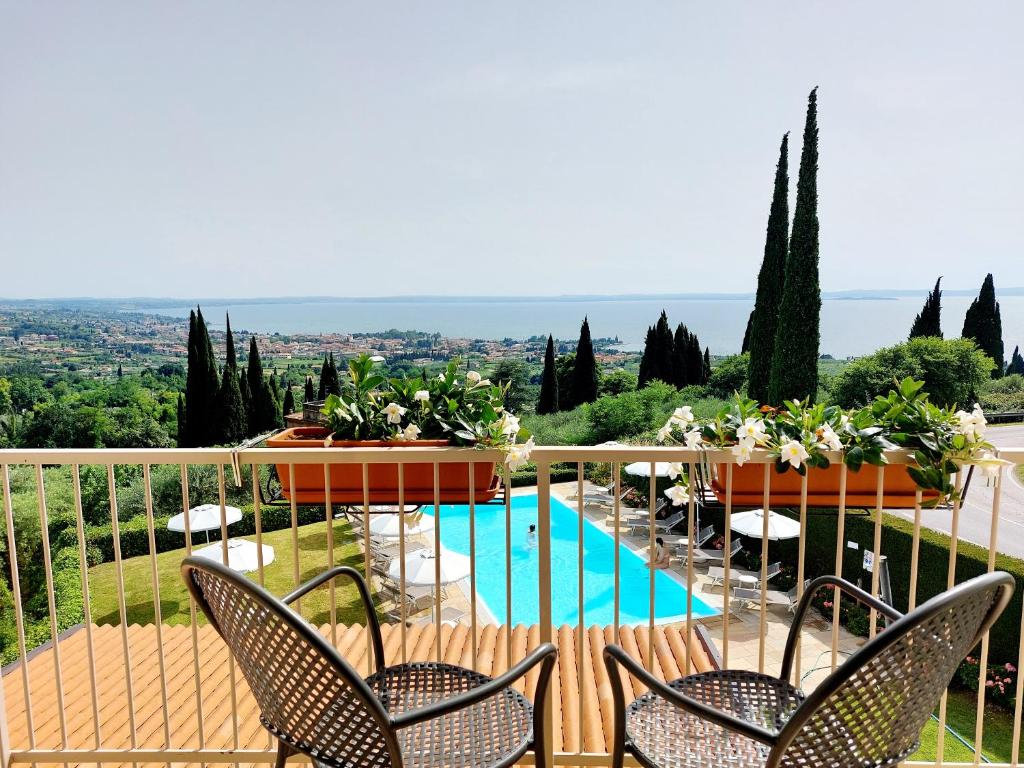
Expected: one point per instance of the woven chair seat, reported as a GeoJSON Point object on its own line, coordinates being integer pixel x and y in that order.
{"type": "Point", "coordinates": [667, 736]}
{"type": "Point", "coordinates": [493, 732]}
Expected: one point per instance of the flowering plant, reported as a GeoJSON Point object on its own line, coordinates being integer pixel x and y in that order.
{"type": "Point", "coordinates": [465, 411]}
{"type": "Point", "coordinates": [800, 435]}
{"type": "Point", "coordinates": [1000, 680]}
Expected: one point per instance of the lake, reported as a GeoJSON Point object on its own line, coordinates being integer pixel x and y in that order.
{"type": "Point", "coordinates": [849, 327]}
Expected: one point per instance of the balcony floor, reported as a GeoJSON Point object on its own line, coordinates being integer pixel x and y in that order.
{"type": "Point", "coordinates": [594, 727]}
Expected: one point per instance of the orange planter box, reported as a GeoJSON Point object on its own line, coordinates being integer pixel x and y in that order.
{"type": "Point", "coordinates": [347, 479]}
{"type": "Point", "coordinates": [899, 489]}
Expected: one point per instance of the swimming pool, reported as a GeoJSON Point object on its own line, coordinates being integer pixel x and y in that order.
{"type": "Point", "coordinates": [598, 565]}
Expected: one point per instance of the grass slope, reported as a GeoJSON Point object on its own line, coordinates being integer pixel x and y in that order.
{"type": "Point", "coordinates": [279, 579]}
{"type": "Point", "coordinates": [997, 739]}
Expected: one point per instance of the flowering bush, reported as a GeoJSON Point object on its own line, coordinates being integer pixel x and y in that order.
{"type": "Point", "coordinates": [1000, 680]}
{"type": "Point", "coordinates": [466, 412]}
{"type": "Point", "coordinates": [799, 435]}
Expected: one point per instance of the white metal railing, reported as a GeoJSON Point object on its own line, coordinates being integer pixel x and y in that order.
{"type": "Point", "coordinates": [228, 464]}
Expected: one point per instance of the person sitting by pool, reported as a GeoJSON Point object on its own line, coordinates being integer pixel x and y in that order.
{"type": "Point", "coordinates": [531, 536]}
{"type": "Point", "coordinates": [662, 557]}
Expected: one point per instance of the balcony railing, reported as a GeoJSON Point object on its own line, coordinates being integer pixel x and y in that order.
{"type": "Point", "coordinates": [113, 691]}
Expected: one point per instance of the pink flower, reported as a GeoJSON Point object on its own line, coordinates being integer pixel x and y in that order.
{"type": "Point", "coordinates": [970, 659]}
{"type": "Point", "coordinates": [989, 683]}
{"type": "Point", "coordinates": [1009, 667]}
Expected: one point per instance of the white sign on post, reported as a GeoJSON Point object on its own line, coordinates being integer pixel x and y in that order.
{"type": "Point", "coordinates": [869, 561]}
{"type": "Point", "coordinates": [852, 545]}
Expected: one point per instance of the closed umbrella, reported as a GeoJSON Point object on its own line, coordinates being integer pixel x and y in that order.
{"type": "Point", "coordinates": [242, 554]}
{"type": "Point", "coordinates": [390, 527]}
{"type": "Point", "coordinates": [205, 517]}
{"type": "Point", "coordinates": [752, 524]}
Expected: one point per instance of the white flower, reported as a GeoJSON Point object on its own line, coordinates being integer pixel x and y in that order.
{"type": "Point", "coordinates": [664, 432]}
{"type": "Point", "coordinates": [678, 494]}
{"type": "Point", "coordinates": [683, 415]}
{"type": "Point", "coordinates": [421, 395]}
{"type": "Point", "coordinates": [693, 439]}
{"type": "Point", "coordinates": [794, 453]}
{"type": "Point", "coordinates": [473, 378]}
{"type": "Point", "coordinates": [518, 454]}
{"type": "Point", "coordinates": [394, 412]}
{"type": "Point", "coordinates": [828, 439]}
{"type": "Point", "coordinates": [753, 429]}
{"type": "Point", "coordinates": [411, 432]}
{"type": "Point", "coordinates": [742, 450]}
{"type": "Point", "coordinates": [440, 377]}
{"type": "Point", "coordinates": [973, 424]}
{"type": "Point", "coordinates": [675, 469]}
{"type": "Point", "coordinates": [508, 424]}
{"type": "Point", "coordinates": [990, 464]}
{"type": "Point", "coordinates": [844, 419]}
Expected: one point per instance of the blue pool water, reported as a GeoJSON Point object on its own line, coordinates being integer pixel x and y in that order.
{"type": "Point", "coordinates": [598, 560]}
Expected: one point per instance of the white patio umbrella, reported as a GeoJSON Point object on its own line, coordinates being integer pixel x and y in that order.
{"type": "Point", "coordinates": [390, 527]}
{"type": "Point", "coordinates": [420, 567]}
{"type": "Point", "coordinates": [643, 469]}
{"type": "Point", "coordinates": [752, 524]}
{"type": "Point", "coordinates": [205, 517]}
{"type": "Point", "coordinates": [242, 554]}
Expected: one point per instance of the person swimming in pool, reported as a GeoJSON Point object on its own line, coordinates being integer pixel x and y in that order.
{"type": "Point", "coordinates": [662, 557]}
{"type": "Point", "coordinates": [531, 536]}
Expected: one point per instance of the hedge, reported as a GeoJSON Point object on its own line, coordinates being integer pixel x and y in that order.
{"type": "Point", "coordinates": [527, 477]}
{"type": "Point", "coordinates": [897, 543]}
{"type": "Point", "coordinates": [134, 533]}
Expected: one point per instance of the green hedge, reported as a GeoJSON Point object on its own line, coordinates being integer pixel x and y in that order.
{"type": "Point", "coordinates": [135, 532]}
{"type": "Point", "coordinates": [527, 477]}
{"type": "Point", "coordinates": [897, 543]}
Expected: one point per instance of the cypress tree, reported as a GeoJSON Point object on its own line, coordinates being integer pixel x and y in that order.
{"type": "Point", "coordinates": [548, 400]}
{"type": "Point", "coordinates": [333, 386]}
{"type": "Point", "coordinates": [794, 372]}
{"type": "Point", "coordinates": [309, 395]}
{"type": "Point", "coordinates": [1016, 363]}
{"type": "Point", "coordinates": [745, 346]}
{"type": "Point", "coordinates": [181, 421]}
{"type": "Point", "coordinates": [680, 362]}
{"type": "Point", "coordinates": [927, 321]}
{"type": "Point", "coordinates": [322, 391]}
{"type": "Point", "coordinates": [262, 403]}
{"type": "Point", "coordinates": [707, 365]}
{"type": "Point", "coordinates": [201, 385]}
{"type": "Point", "coordinates": [764, 319]}
{"type": "Point", "coordinates": [232, 419]}
{"type": "Point", "coordinates": [663, 331]}
{"type": "Point", "coordinates": [120, 373]}
{"type": "Point", "coordinates": [584, 372]}
{"type": "Point", "coordinates": [243, 388]}
{"type": "Point", "coordinates": [694, 361]}
{"type": "Point", "coordinates": [646, 364]}
{"type": "Point", "coordinates": [984, 325]}
{"type": "Point", "coordinates": [289, 401]}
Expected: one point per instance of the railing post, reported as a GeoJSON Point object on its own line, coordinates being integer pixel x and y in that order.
{"type": "Point", "coordinates": [544, 584]}
{"type": "Point", "coordinates": [5, 734]}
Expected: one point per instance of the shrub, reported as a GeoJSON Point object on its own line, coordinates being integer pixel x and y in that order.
{"type": "Point", "coordinates": [1001, 395]}
{"type": "Point", "coordinates": [1000, 681]}
{"type": "Point", "coordinates": [729, 376]}
{"type": "Point", "coordinates": [561, 428]}
{"type": "Point", "coordinates": [953, 371]}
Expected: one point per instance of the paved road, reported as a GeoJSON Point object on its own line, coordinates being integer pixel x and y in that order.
{"type": "Point", "coordinates": [976, 512]}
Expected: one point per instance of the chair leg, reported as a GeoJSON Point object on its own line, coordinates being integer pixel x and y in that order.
{"type": "Point", "coordinates": [283, 753]}
{"type": "Point", "coordinates": [540, 714]}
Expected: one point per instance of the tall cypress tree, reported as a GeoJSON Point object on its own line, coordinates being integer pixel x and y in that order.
{"type": "Point", "coordinates": [181, 421]}
{"type": "Point", "coordinates": [764, 320]}
{"type": "Point", "coordinates": [243, 388]}
{"type": "Point", "coordinates": [745, 346]}
{"type": "Point", "coordinates": [324, 375]}
{"type": "Point", "coordinates": [289, 402]}
{"type": "Point", "coordinates": [680, 359]}
{"type": "Point", "coordinates": [548, 400]}
{"type": "Point", "coordinates": [333, 385]}
{"type": "Point", "coordinates": [794, 372]}
{"type": "Point", "coordinates": [201, 385]}
{"type": "Point", "coordinates": [262, 403]}
{"type": "Point", "coordinates": [584, 372]}
{"type": "Point", "coordinates": [1016, 363]}
{"type": "Point", "coordinates": [927, 321]}
{"type": "Point", "coordinates": [694, 361]}
{"type": "Point", "coordinates": [646, 360]}
{"type": "Point", "coordinates": [984, 324]}
{"type": "Point", "coordinates": [707, 365]}
{"type": "Point", "coordinates": [308, 395]}
{"type": "Point", "coordinates": [232, 419]}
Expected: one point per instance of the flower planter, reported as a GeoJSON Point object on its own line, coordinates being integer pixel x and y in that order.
{"type": "Point", "coordinates": [347, 479]}
{"type": "Point", "coordinates": [899, 489]}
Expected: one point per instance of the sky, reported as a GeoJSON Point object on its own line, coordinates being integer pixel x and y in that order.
{"type": "Point", "coordinates": [365, 149]}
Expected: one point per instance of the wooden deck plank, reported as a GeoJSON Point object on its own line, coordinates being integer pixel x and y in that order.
{"type": "Point", "coordinates": [593, 734]}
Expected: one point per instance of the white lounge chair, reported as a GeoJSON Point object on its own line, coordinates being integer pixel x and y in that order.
{"type": "Point", "coordinates": [683, 542]}
{"type": "Point", "coordinates": [709, 556]}
{"type": "Point", "coordinates": [667, 524]}
{"type": "Point", "coordinates": [742, 578]}
{"type": "Point", "coordinates": [752, 597]}
{"type": "Point", "coordinates": [449, 615]}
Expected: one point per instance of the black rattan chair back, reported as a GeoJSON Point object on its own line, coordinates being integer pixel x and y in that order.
{"type": "Point", "coordinates": [308, 696]}
{"type": "Point", "coordinates": [872, 709]}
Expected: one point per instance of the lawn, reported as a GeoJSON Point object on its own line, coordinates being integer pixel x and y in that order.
{"type": "Point", "coordinates": [279, 579]}
{"type": "Point", "coordinates": [960, 716]}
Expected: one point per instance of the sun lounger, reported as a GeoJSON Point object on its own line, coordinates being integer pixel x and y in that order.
{"type": "Point", "coordinates": [709, 556]}
{"type": "Point", "coordinates": [703, 536]}
{"type": "Point", "coordinates": [752, 597]}
{"type": "Point", "coordinates": [742, 578]}
{"type": "Point", "coordinates": [666, 524]}
{"type": "Point", "coordinates": [449, 615]}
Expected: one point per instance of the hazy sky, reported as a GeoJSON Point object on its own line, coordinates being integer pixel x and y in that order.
{"type": "Point", "coordinates": [251, 149]}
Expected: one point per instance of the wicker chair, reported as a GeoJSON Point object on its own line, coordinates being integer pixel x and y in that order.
{"type": "Point", "coordinates": [869, 712]}
{"type": "Point", "coordinates": [418, 715]}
